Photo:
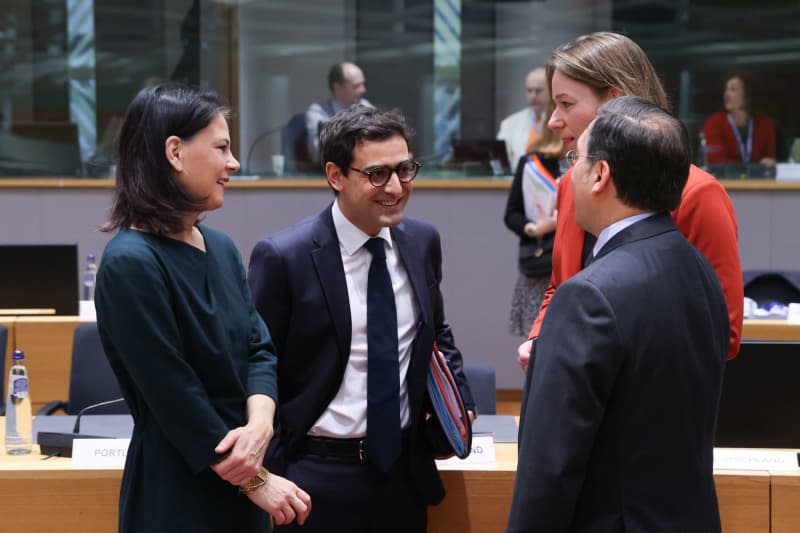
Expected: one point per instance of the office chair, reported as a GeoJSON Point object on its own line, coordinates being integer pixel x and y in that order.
{"type": "Point", "coordinates": [294, 143]}
{"type": "Point", "coordinates": [764, 286]}
{"type": "Point", "coordinates": [481, 380]}
{"type": "Point", "coordinates": [91, 379]}
{"type": "Point", "coordinates": [3, 349]}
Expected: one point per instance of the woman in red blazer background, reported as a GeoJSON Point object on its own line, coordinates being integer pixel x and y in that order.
{"type": "Point", "coordinates": [737, 135]}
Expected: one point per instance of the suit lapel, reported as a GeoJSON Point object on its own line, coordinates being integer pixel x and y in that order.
{"type": "Point", "coordinates": [644, 229]}
{"type": "Point", "coordinates": [327, 261]}
{"type": "Point", "coordinates": [415, 265]}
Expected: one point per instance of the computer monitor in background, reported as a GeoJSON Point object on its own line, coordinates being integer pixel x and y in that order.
{"type": "Point", "coordinates": [481, 152]}
{"type": "Point", "coordinates": [40, 149]}
{"type": "Point", "coordinates": [760, 404]}
{"type": "Point", "coordinates": [40, 277]}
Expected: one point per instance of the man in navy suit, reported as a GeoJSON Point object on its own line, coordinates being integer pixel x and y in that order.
{"type": "Point", "coordinates": [310, 284]}
{"type": "Point", "coordinates": [619, 419]}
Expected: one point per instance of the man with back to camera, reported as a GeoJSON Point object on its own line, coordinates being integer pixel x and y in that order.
{"type": "Point", "coordinates": [631, 353]}
{"type": "Point", "coordinates": [348, 86]}
{"type": "Point", "coordinates": [521, 129]}
{"type": "Point", "coordinates": [352, 368]}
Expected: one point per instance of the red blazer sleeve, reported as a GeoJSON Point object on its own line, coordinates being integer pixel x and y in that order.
{"type": "Point", "coordinates": [567, 247]}
{"type": "Point", "coordinates": [707, 219]}
{"type": "Point", "coordinates": [763, 138]}
{"type": "Point", "coordinates": [720, 143]}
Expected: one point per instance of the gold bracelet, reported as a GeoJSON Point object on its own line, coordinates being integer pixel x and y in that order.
{"type": "Point", "coordinates": [257, 481]}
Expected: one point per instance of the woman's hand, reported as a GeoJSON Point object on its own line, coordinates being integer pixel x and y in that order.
{"type": "Point", "coordinates": [283, 500]}
{"type": "Point", "coordinates": [545, 225]}
{"type": "Point", "coordinates": [245, 446]}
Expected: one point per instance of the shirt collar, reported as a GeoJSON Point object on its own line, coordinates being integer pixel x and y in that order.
{"type": "Point", "coordinates": [609, 231]}
{"type": "Point", "coordinates": [351, 238]}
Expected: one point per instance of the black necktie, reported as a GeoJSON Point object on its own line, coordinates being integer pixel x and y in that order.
{"type": "Point", "coordinates": [383, 365]}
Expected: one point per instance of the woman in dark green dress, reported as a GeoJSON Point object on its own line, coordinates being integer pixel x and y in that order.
{"type": "Point", "coordinates": [194, 359]}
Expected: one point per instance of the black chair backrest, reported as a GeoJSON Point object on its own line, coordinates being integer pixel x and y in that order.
{"type": "Point", "coordinates": [91, 378]}
{"type": "Point", "coordinates": [294, 142]}
{"type": "Point", "coordinates": [760, 403]}
{"type": "Point", "coordinates": [764, 286]}
{"type": "Point", "coordinates": [481, 379]}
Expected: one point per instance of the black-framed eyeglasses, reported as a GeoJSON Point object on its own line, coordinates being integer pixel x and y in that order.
{"type": "Point", "coordinates": [379, 176]}
{"type": "Point", "coordinates": [572, 157]}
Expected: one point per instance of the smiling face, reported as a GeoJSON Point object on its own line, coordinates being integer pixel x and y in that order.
{"type": "Point", "coordinates": [372, 208]}
{"type": "Point", "coordinates": [576, 105]}
{"type": "Point", "coordinates": [203, 163]}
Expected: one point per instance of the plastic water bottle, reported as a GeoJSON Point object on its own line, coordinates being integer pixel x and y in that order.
{"type": "Point", "coordinates": [703, 159]}
{"type": "Point", "coordinates": [89, 278]}
{"type": "Point", "coordinates": [19, 422]}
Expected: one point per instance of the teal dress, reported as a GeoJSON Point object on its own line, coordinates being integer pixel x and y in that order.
{"type": "Point", "coordinates": [181, 333]}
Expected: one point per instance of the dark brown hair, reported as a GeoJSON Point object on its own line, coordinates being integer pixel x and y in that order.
{"type": "Point", "coordinates": [147, 194]}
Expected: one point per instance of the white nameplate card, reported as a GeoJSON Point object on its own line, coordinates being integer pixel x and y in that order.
{"type": "Point", "coordinates": [747, 459]}
{"type": "Point", "coordinates": [99, 453]}
{"type": "Point", "coordinates": [482, 453]}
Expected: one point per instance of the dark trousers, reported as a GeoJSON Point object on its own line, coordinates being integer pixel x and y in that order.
{"type": "Point", "coordinates": [353, 497]}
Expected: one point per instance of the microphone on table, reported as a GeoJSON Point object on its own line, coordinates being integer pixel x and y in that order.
{"type": "Point", "coordinates": [60, 444]}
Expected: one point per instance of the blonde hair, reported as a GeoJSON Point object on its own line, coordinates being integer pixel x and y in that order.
{"type": "Point", "coordinates": [604, 61]}
{"type": "Point", "coordinates": [548, 143]}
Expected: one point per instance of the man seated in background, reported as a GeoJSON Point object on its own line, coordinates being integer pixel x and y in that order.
{"type": "Point", "coordinates": [521, 129]}
{"type": "Point", "coordinates": [618, 426]}
{"type": "Point", "coordinates": [348, 86]}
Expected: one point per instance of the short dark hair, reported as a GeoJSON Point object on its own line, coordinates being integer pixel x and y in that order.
{"type": "Point", "coordinates": [335, 75]}
{"type": "Point", "coordinates": [357, 123]}
{"type": "Point", "coordinates": [147, 194]}
{"type": "Point", "coordinates": [647, 150]}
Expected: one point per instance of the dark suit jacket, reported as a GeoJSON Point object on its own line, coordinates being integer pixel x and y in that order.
{"type": "Point", "coordinates": [299, 288]}
{"type": "Point", "coordinates": [619, 425]}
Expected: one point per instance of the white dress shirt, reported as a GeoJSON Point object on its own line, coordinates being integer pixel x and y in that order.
{"type": "Point", "coordinates": [346, 415]}
{"type": "Point", "coordinates": [616, 227]}
{"type": "Point", "coordinates": [316, 114]}
{"type": "Point", "coordinates": [514, 130]}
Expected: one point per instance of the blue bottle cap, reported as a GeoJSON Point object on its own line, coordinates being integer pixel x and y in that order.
{"type": "Point", "coordinates": [90, 258]}
{"type": "Point", "coordinates": [18, 355]}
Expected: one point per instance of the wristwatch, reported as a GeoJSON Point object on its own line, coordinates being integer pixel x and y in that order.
{"type": "Point", "coordinates": [258, 480]}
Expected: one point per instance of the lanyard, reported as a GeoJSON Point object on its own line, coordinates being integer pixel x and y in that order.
{"type": "Point", "coordinates": [745, 151]}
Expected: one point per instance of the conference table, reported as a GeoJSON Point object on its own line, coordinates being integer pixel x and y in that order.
{"type": "Point", "coordinates": [41, 495]}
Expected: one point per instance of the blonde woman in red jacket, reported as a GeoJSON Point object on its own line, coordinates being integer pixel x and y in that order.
{"type": "Point", "coordinates": [583, 74]}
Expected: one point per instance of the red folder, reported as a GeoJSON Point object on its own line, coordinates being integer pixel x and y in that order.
{"type": "Point", "coordinates": [448, 408]}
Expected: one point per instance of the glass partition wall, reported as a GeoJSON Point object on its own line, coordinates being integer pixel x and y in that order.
{"type": "Point", "coordinates": [456, 68]}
